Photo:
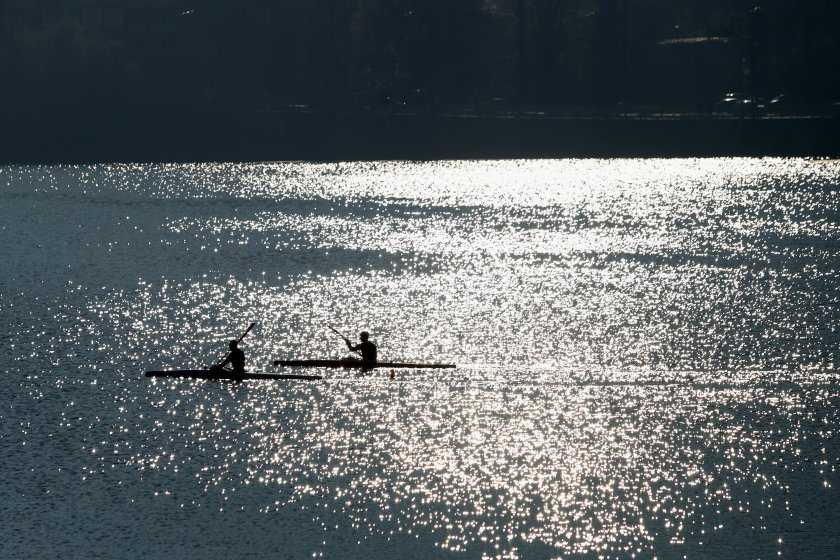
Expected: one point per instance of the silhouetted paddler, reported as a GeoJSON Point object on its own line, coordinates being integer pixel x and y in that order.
{"type": "Point", "coordinates": [366, 348]}
{"type": "Point", "coordinates": [236, 359]}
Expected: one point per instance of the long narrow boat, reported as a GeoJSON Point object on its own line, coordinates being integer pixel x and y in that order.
{"type": "Point", "coordinates": [358, 364]}
{"type": "Point", "coordinates": [211, 374]}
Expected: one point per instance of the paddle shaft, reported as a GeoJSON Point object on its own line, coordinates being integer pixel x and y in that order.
{"type": "Point", "coordinates": [238, 341]}
{"type": "Point", "coordinates": [347, 340]}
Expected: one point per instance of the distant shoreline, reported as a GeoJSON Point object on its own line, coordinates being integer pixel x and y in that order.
{"type": "Point", "coordinates": [249, 136]}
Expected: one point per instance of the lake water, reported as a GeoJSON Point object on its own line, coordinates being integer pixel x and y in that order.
{"type": "Point", "coordinates": [647, 359]}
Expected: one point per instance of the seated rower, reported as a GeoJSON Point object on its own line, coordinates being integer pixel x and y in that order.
{"type": "Point", "coordinates": [366, 348]}
{"type": "Point", "coordinates": [236, 358]}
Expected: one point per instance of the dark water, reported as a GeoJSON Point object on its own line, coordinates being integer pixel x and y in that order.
{"type": "Point", "coordinates": [647, 360]}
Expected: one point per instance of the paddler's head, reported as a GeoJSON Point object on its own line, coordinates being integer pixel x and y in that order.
{"type": "Point", "coordinates": [364, 335]}
{"type": "Point", "coordinates": [232, 344]}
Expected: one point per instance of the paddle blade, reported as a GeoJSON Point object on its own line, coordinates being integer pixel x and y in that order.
{"type": "Point", "coordinates": [251, 326]}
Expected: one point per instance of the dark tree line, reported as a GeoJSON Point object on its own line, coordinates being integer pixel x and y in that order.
{"type": "Point", "coordinates": [420, 55]}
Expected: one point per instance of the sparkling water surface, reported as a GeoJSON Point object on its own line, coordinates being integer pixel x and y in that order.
{"type": "Point", "coordinates": [647, 359]}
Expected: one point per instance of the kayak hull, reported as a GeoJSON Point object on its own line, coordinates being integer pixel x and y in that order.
{"type": "Point", "coordinates": [224, 375]}
{"type": "Point", "coordinates": [358, 364]}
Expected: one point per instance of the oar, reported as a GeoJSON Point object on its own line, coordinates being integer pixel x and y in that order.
{"type": "Point", "coordinates": [238, 341]}
{"type": "Point", "coordinates": [347, 340]}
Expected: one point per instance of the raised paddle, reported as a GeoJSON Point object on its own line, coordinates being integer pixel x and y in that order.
{"type": "Point", "coordinates": [347, 340]}
{"type": "Point", "coordinates": [238, 341]}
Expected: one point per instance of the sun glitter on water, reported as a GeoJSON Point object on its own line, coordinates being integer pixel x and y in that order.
{"type": "Point", "coordinates": [645, 352]}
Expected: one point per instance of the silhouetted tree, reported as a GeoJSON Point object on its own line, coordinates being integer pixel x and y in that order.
{"type": "Point", "coordinates": [340, 54]}
{"type": "Point", "coordinates": [547, 15]}
{"type": "Point", "coordinates": [607, 65]}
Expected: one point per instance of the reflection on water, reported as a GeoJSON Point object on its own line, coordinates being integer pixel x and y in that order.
{"type": "Point", "coordinates": [646, 350]}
